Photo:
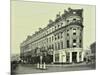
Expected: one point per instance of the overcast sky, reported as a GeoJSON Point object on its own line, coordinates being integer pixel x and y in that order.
{"type": "Point", "coordinates": [27, 17]}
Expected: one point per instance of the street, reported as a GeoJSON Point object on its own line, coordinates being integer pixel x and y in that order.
{"type": "Point", "coordinates": [31, 68]}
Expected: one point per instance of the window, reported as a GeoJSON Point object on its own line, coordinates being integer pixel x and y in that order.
{"type": "Point", "coordinates": [67, 20]}
{"type": "Point", "coordinates": [67, 57]}
{"type": "Point", "coordinates": [56, 57]}
{"type": "Point", "coordinates": [67, 43]}
{"type": "Point", "coordinates": [47, 39]}
{"type": "Point", "coordinates": [77, 27]}
{"type": "Point", "coordinates": [52, 29]}
{"type": "Point", "coordinates": [80, 34]}
{"type": "Point", "coordinates": [61, 24]}
{"type": "Point", "coordinates": [52, 38]}
{"type": "Point", "coordinates": [58, 46]}
{"type": "Point", "coordinates": [80, 45]}
{"type": "Point", "coordinates": [74, 19]}
{"type": "Point", "coordinates": [55, 46]}
{"type": "Point", "coordinates": [55, 37]}
{"type": "Point", "coordinates": [74, 46]}
{"type": "Point", "coordinates": [49, 46]}
{"type": "Point", "coordinates": [80, 55]}
{"type": "Point", "coordinates": [58, 26]}
{"type": "Point", "coordinates": [70, 27]}
{"type": "Point", "coordinates": [80, 41]}
{"type": "Point", "coordinates": [74, 30]}
{"type": "Point", "coordinates": [74, 33]}
{"type": "Point", "coordinates": [74, 41]}
{"type": "Point", "coordinates": [61, 44]}
{"type": "Point", "coordinates": [52, 46]}
{"type": "Point", "coordinates": [61, 34]}
{"type": "Point", "coordinates": [67, 34]}
{"type": "Point", "coordinates": [67, 30]}
{"type": "Point", "coordinates": [58, 36]}
{"type": "Point", "coordinates": [55, 27]}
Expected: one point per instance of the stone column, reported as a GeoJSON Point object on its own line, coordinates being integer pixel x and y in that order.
{"type": "Point", "coordinates": [77, 56]}
{"type": "Point", "coordinates": [60, 57]}
{"type": "Point", "coordinates": [82, 56]}
{"type": "Point", "coordinates": [64, 39]}
{"type": "Point", "coordinates": [70, 59]}
{"type": "Point", "coordinates": [54, 57]}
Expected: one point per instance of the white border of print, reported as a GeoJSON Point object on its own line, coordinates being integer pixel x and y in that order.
{"type": "Point", "coordinates": [5, 36]}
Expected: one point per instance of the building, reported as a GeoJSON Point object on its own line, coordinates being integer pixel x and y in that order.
{"type": "Point", "coordinates": [62, 39]}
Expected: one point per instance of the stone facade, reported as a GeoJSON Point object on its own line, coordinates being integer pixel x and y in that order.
{"type": "Point", "coordinates": [62, 38]}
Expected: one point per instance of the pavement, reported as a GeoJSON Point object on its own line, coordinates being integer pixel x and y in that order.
{"type": "Point", "coordinates": [31, 68]}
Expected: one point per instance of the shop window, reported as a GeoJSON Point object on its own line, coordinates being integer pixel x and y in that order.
{"type": "Point", "coordinates": [67, 57]}
{"type": "Point", "coordinates": [56, 57]}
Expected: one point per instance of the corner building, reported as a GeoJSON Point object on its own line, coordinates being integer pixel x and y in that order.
{"type": "Point", "coordinates": [61, 38]}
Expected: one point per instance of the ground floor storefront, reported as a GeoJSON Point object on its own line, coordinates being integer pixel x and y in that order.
{"type": "Point", "coordinates": [68, 56]}
{"type": "Point", "coordinates": [59, 56]}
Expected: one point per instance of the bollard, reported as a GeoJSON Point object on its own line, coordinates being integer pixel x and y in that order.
{"type": "Point", "coordinates": [44, 66]}
{"type": "Point", "coordinates": [40, 66]}
{"type": "Point", "coordinates": [37, 65]}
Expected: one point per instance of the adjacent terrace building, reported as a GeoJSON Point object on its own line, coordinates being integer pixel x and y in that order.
{"type": "Point", "coordinates": [61, 39]}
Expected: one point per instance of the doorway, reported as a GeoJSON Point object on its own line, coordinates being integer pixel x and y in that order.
{"type": "Point", "coordinates": [74, 56]}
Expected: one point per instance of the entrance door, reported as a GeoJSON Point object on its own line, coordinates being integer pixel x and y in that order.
{"type": "Point", "coordinates": [74, 56]}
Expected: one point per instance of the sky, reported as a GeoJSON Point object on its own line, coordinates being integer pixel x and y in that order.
{"type": "Point", "coordinates": [28, 16]}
